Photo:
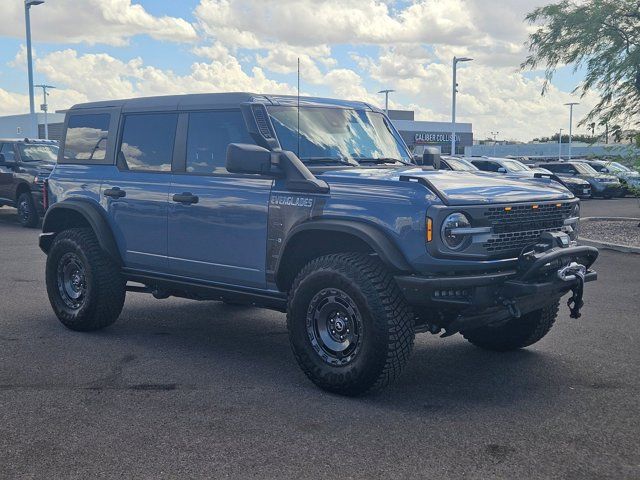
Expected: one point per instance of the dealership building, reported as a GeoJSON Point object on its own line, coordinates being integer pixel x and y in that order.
{"type": "Point", "coordinates": [20, 126]}
{"type": "Point", "coordinates": [433, 134]}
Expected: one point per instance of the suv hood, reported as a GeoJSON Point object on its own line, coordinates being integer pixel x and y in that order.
{"type": "Point", "coordinates": [461, 188]}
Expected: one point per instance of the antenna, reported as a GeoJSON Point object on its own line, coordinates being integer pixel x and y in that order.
{"type": "Point", "coordinates": [298, 107]}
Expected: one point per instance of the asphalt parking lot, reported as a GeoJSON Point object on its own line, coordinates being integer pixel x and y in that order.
{"type": "Point", "coordinates": [180, 389]}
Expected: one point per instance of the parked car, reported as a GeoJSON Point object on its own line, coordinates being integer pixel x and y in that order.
{"type": "Point", "coordinates": [606, 186]}
{"type": "Point", "coordinates": [505, 165]}
{"type": "Point", "coordinates": [309, 207]}
{"type": "Point", "coordinates": [628, 178]}
{"type": "Point", "coordinates": [457, 163]}
{"type": "Point", "coordinates": [509, 166]}
{"type": "Point", "coordinates": [24, 165]}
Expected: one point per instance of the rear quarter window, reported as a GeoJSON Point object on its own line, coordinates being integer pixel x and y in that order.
{"type": "Point", "coordinates": [86, 138]}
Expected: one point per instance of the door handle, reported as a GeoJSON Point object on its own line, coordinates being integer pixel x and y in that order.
{"type": "Point", "coordinates": [186, 198]}
{"type": "Point", "coordinates": [114, 192]}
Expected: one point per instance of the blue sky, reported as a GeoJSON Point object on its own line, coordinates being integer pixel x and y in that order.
{"type": "Point", "coordinates": [348, 48]}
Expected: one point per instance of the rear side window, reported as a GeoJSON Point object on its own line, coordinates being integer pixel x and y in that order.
{"type": "Point", "coordinates": [86, 138]}
{"type": "Point", "coordinates": [147, 142]}
{"type": "Point", "coordinates": [208, 136]}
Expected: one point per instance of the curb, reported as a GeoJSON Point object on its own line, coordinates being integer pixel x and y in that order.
{"type": "Point", "coordinates": [609, 246]}
{"type": "Point", "coordinates": [608, 219]}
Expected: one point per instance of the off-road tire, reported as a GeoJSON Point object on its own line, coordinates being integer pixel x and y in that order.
{"type": "Point", "coordinates": [105, 292]}
{"type": "Point", "coordinates": [387, 321]}
{"type": "Point", "coordinates": [515, 333]}
{"type": "Point", "coordinates": [27, 213]}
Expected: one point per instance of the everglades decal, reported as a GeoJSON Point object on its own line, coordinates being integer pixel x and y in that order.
{"type": "Point", "coordinates": [292, 201]}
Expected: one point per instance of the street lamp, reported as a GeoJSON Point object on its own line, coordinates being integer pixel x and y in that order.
{"type": "Point", "coordinates": [570, 105]}
{"type": "Point", "coordinates": [32, 110]}
{"type": "Point", "coordinates": [386, 100]}
{"type": "Point", "coordinates": [495, 141]}
{"type": "Point", "coordinates": [560, 144]}
{"type": "Point", "coordinates": [44, 107]}
{"type": "Point", "coordinates": [453, 101]}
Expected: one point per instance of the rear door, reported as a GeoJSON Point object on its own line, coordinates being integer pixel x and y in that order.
{"type": "Point", "coordinates": [217, 220]}
{"type": "Point", "coordinates": [136, 189]}
{"type": "Point", "coordinates": [7, 187]}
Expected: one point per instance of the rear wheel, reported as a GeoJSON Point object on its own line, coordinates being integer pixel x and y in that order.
{"type": "Point", "coordinates": [516, 332]}
{"type": "Point", "coordinates": [84, 284]}
{"type": "Point", "coordinates": [27, 213]}
{"type": "Point", "coordinates": [350, 328]}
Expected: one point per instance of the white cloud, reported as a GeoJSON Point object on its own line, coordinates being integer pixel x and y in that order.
{"type": "Point", "coordinates": [111, 22]}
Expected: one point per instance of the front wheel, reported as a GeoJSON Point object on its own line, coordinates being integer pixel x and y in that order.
{"type": "Point", "coordinates": [350, 328]}
{"type": "Point", "coordinates": [27, 213]}
{"type": "Point", "coordinates": [84, 284]}
{"type": "Point", "coordinates": [516, 332]}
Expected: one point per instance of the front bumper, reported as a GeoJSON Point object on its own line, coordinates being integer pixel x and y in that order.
{"type": "Point", "coordinates": [494, 296]}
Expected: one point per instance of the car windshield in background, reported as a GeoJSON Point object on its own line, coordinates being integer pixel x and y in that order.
{"type": "Point", "coordinates": [515, 166]}
{"type": "Point", "coordinates": [457, 164]}
{"type": "Point", "coordinates": [337, 135]}
{"type": "Point", "coordinates": [584, 168]}
{"type": "Point", "coordinates": [38, 153]}
{"type": "Point", "coordinates": [617, 167]}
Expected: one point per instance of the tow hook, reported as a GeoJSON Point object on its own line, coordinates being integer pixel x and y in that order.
{"type": "Point", "coordinates": [513, 309]}
{"type": "Point", "coordinates": [574, 271]}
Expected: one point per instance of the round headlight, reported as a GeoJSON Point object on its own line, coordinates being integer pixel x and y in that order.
{"type": "Point", "coordinates": [575, 212]}
{"type": "Point", "coordinates": [452, 239]}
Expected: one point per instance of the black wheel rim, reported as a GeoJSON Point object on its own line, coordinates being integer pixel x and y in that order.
{"type": "Point", "coordinates": [24, 211]}
{"type": "Point", "coordinates": [72, 282]}
{"type": "Point", "coordinates": [334, 326]}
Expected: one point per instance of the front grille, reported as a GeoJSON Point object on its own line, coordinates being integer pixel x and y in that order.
{"type": "Point", "coordinates": [517, 226]}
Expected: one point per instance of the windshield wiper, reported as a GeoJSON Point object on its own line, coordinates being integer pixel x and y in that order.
{"type": "Point", "coordinates": [381, 160]}
{"type": "Point", "coordinates": [325, 161]}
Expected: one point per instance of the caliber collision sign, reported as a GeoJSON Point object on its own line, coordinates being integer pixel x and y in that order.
{"type": "Point", "coordinates": [429, 137]}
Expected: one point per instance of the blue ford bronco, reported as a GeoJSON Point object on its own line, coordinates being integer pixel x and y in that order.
{"type": "Point", "coordinates": [309, 206]}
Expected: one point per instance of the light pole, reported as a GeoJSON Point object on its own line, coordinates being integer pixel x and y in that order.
{"type": "Point", "coordinates": [495, 141]}
{"type": "Point", "coordinates": [453, 101]}
{"type": "Point", "coordinates": [32, 110]}
{"type": "Point", "coordinates": [570, 105]}
{"type": "Point", "coordinates": [560, 145]}
{"type": "Point", "coordinates": [44, 107]}
{"type": "Point", "coordinates": [386, 100]}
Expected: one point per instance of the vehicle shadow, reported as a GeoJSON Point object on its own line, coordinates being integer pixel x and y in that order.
{"type": "Point", "coordinates": [253, 344]}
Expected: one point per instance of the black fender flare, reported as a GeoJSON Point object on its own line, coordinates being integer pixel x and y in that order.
{"type": "Point", "coordinates": [54, 219]}
{"type": "Point", "coordinates": [373, 236]}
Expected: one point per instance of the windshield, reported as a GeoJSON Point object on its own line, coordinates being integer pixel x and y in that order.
{"type": "Point", "coordinates": [337, 135]}
{"type": "Point", "coordinates": [38, 153]}
{"type": "Point", "coordinates": [617, 167]}
{"type": "Point", "coordinates": [457, 164]}
{"type": "Point", "coordinates": [514, 165]}
{"type": "Point", "coordinates": [584, 168]}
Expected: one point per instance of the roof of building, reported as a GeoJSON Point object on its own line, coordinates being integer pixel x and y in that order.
{"type": "Point", "coordinates": [218, 100]}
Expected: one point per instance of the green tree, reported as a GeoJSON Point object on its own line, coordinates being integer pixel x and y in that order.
{"type": "Point", "coordinates": [601, 36]}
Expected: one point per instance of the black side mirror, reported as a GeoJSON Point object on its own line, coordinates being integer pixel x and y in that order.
{"type": "Point", "coordinates": [247, 158]}
{"type": "Point", "coordinates": [431, 160]}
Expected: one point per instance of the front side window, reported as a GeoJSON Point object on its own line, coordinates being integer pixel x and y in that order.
{"type": "Point", "coordinates": [38, 153]}
{"type": "Point", "coordinates": [7, 151]}
{"type": "Point", "coordinates": [147, 142]}
{"type": "Point", "coordinates": [337, 135]}
{"type": "Point", "coordinates": [208, 137]}
{"type": "Point", "coordinates": [86, 138]}
{"type": "Point", "coordinates": [457, 164]}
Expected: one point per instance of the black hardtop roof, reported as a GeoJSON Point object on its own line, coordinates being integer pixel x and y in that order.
{"type": "Point", "coordinates": [216, 100]}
